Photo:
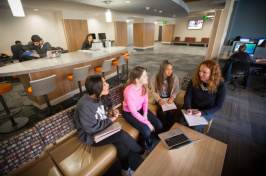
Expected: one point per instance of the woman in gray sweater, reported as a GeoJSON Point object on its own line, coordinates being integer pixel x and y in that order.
{"type": "Point", "coordinates": [91, 116]}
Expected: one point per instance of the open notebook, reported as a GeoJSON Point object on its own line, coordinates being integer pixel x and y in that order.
{"type": "Point", "coordinates": [193, 120]}
{"type": "Point", "coordinates": [110, 130]}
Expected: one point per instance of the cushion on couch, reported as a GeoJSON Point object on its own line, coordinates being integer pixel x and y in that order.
{"type": "Point", "coordinates": [24, 154]}
{"type": "Point", "coordinates": [75, 158]}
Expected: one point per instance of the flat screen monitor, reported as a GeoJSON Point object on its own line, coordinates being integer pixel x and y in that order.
{"type": "Point", "coordinates": [244, 39]}
{"type": "Point", "coordinates": [195, 24]}
{"type": "Point", "coordinates": [250, 47]}
{"type": "Point", "coordinates": [101, 36]}
{"type": "Point", "coordinates": [93, 35]}
{"type": "Point", "coordinates": [261, 40]}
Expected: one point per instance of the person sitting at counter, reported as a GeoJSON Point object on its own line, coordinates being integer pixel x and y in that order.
{"type": "Point", "coordinates": [38, 45]}
{"type": "Point", "coordinates": [87, 44]}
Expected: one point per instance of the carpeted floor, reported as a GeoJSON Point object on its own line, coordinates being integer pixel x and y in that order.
{"type": "Point", "coordinates": [241, 124]}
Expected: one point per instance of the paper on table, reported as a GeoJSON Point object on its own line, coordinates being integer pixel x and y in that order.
{"type": "Point", "coordinates": [88, 51]}
{"type": "Point", "coordinates": [193, 120]}
{"type": "Point", "coordinates": [166, 106]}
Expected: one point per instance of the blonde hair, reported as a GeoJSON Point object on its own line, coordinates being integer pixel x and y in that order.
{"type": "Point", "coordinates": [136, 73]}
{"type": "Point", "coordinates": [215, 76]}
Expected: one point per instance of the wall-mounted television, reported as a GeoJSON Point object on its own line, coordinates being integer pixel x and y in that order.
{"type": "Point", "coordinates": [93, 35]}
{"type": "Point", "coordinates": [195, 24]}
{"type": "Point", "coordinates": [102, 36]}
{"type": "Point", "coordinates": [261, 40]}
{"type": "Point", "coordinates": [245, 39]}
{"type": "Point", "coordinates": [250, 47]}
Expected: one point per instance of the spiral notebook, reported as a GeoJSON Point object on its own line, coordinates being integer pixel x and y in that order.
{"type": "Point", "coordinates": [110, 130]}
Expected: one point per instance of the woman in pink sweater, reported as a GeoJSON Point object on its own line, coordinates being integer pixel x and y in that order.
{"type": "Point", "coordinates": [135, 106]}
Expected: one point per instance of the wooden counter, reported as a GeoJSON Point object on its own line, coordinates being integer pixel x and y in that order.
{"type": "Point", "coordinates": [61, 67]}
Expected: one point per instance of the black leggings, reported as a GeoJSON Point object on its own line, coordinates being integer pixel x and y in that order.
{"type": "Point", "coordinates": [122, 141]}
{"type": "Point", "coordinates": [144, 130]}
{"type": "Point", "coordinates": [166, 117]}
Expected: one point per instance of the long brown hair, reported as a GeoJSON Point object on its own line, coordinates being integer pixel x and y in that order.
{"type": "Point", "coordinates": [215, 76]}
{"type": "Point", "coordinates": [86, 39]}
{"type": "Point", "coordinates": [160, 77]}
{"type": "Point", "coordinates": [136, 73]}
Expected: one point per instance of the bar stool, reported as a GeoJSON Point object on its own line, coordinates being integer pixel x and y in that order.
{"type": "Point", "coordinates": [105, 67]}
{"type": "Point", "coordinates": [124, 53]}
{"type": "Point", "coordinates": [13, 110]}
{"type": "Point", "coordinates": [43, 87]}
{"type": "Point", "coordinates": [119, 62]}
{"type": "Point", "coordinates": [127, 57]}
{"type": "Point", "coordinates": [78, 75]}
{"type": "Point", "coordinates": [14, 123]}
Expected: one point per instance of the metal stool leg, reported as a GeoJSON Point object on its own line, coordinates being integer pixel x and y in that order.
{"type": "Point", "coordinates": [80, 88]}
{"type": "Point", "coordinates": [50, 110]}
{"type": "Point", "coordinates": [127, 70]}
{"type": "Point", "coordinates": [13, 124]}
{"type": "Point", "coordinates": [117, 69]}
{"type": "Point", "coordinates": [103, 75]}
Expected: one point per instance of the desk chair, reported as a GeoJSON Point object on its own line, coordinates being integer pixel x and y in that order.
{"type": "Point", "coordinates": [119, 62]}
{"type": "Point", "coordinates": [43, 87]}
{"type": "Point", "coordinates": [130, 56]}
{"type": "Point", "coordinates": [78, 75]}
{"type": "Point", "coordinates": [238, 69]}
{"type": "Point", "coordinates": [105, 67]}
{"type": "Point", "coordinates": [14, 123]}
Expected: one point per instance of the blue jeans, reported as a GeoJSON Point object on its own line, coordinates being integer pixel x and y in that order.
{"type": "Point", "coordinates": [198, 128]}
{"type": "Point", "coordinates": [144, 130]}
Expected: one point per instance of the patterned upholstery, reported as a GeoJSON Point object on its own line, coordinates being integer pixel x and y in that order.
{"type": "Point", "coordinates": [185, 82]}
{"type": "Point", "coordinates": [19, 150]}
{"type": "Point", "coordinates": [116, 94]}
{"type": "Point", "coordinates": [56, 126]}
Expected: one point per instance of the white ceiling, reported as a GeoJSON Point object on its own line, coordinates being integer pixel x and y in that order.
{"type": "Point", "coordinates": [169, 8]}
{"type": "Point", "coordinates": [179, 8]}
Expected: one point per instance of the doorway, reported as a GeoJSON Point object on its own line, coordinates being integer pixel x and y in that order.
{"type": "Point", "coordinates": [160, 33]}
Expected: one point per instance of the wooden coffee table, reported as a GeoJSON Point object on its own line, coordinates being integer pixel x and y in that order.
{"type": "Point", "coordinates": [205, 157]}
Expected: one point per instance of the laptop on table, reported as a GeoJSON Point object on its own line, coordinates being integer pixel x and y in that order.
{"type": "Point", "coordinates": [174, 139]}
{"type": "Point", "coordinates": [96, 46]}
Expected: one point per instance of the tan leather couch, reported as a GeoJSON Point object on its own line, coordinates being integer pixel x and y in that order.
{"type": "Point", "coordinates": [52, 147]}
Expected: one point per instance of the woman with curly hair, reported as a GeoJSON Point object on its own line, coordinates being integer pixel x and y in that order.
{"type": "Point", "coordinates": [205, 92]}
{"type": "Point", "coordinates": [165, 84]}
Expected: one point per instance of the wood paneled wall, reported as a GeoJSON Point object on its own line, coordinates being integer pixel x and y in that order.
{"type": "Point", "coordinates": [75, 32]}
{"type": "Point", "coordinates": [215, 26]}
{"type": "Point", "coordinates": [149, 29]}
{"type": "Point", "coordinates": [120, 33]}
{"type": "Point", "coordinates": [168, 32]}
{"type": "Point", "coordinates": [143, 34]}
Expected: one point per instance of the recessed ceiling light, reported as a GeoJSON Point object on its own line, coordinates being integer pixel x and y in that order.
{"type": "Point", "coordinates": [160, 11]}
{"type": "Point", "coordinates": [35, 9]}
{"type": "Point", "coordinates": [155, 10]}
{"type": "Point", "coordinates": [173, 15]}
{"type": "Point", "coordinates": [127, 1]}
{"type": "Point", "coordinates": [147, 8]}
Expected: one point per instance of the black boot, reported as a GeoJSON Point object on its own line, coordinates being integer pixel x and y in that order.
{"type": "Point", "coordinates": [149, 142]}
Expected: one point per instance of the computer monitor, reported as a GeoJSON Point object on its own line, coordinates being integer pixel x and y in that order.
{"type": "Point", "coordinates": [261, 40]}
{"type": "Point", "coordinates": [250, 47]}
{"type": "Point", "coordinates": [93, 35]}
{"type": "Point", "coordinates": [101, 36]}
{"type": "Point", "coordinates": [244, 39]}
